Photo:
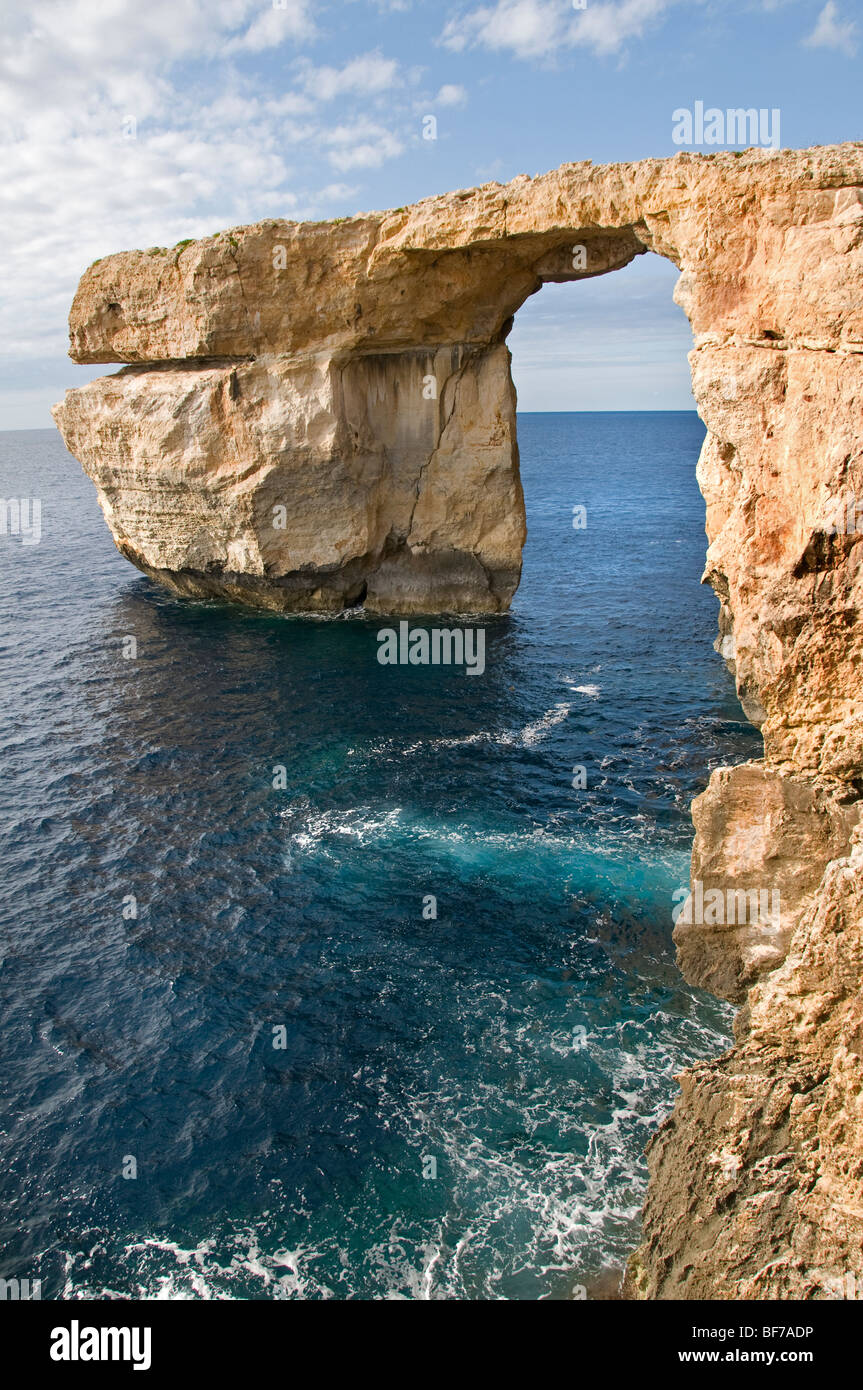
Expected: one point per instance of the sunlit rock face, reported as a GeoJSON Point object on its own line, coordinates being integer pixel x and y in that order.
{"type": "Point", "coordinates": [763, 841]}
{"type": "Point", "coordinates": [313, 484]}
{"type": "Point", "coordinates": [315, 416]}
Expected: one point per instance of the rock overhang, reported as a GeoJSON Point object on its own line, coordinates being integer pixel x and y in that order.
{"type": "Point", "coordinates": [456, 266]}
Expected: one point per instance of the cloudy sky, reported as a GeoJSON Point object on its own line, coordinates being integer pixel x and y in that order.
{"type": "Point", "coordinates": [141, 122]}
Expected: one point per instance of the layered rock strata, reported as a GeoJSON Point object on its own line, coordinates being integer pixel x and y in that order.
{"type": "Point", "coordinates": [314, 416]}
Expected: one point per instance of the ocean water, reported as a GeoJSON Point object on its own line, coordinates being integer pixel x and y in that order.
{"type": "Point", "coordinates": [461, 1105]}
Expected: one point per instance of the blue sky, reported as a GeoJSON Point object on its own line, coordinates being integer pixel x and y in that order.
{"type": "Point", "coordinates": [129, 124]}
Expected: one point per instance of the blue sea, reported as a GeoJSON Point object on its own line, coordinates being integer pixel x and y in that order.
{"type": "Point", "coordinates": [460, 1105]}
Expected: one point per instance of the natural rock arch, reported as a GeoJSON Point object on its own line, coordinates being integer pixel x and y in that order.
{"type": "Point", "coordinates": [351, 380]}
{"type": "Point", "coordinates": [286, 365]}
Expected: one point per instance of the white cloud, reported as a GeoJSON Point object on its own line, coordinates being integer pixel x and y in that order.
{"type": "Point", "coordinates": [290, 104]}
{"type": "Point", "coordinates": [219, 137]}
{"type": "Point", "coordinates": [78, 44]}
{"type": "Point", "coordinates": [540, 28]}
{"type": "Point", "coordinates": [451, 94]}
{"type": "Point", "coordinates": [831, 32]}
{"type": "Point", "coordinates": [368, 75]}
{"type": "Point", "coordinates": [606, 28]}
{"type": "Point", "coordinates": [275, 26]}
{"type": "Point", "coordinates": [528, 27]}
{"type": "Point", "coordinates": [361, 145]}
{"type": "Point", "coordinates": [337, 192]}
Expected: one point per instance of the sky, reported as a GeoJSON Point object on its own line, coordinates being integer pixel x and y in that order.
{"type": "Point", "coordinates": [134, 123]}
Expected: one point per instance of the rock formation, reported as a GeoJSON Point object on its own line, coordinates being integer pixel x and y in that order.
{"type": "Point", "coordinates": [321, 415]}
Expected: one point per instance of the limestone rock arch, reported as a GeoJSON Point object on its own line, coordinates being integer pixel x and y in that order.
{"type": "Point", "coordinates": [316, 415]}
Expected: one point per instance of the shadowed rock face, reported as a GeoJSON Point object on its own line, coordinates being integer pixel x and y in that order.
{"type": "Point", "coordinates": [320, 415]}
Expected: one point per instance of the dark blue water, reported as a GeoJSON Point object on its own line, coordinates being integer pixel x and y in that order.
{"type": "Point", "coordinates": [526, 1040]}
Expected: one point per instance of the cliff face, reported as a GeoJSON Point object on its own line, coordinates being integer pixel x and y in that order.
{"type": "Point", "coordinates": [318, 415]}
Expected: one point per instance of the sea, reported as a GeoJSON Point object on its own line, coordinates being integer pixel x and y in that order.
{"type": "Point", "coordinates": [328, 979]}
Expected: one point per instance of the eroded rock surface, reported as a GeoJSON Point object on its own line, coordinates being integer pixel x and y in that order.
{"type": "Point", "coordinates": [311, 484]}
{"type": "Point", "coordinates": [763, 841]}
{"type": "Point", "coordinates": [320, 415]}
{"type": "Point", "coordinates": [756, 1186]}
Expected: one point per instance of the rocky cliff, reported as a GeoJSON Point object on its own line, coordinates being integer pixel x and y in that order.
{"type": "Point", "coordinates": [320, 415]}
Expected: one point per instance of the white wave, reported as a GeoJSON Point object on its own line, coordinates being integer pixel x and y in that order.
{"type": "Point", "coordinates": [606, 852]}
{"type": "Point", "coordinates": [532, 733]}
{"type": "Point", "coordinates": [592, 691]}
{"type": "Point", "coordinates": [527, 737]}
{"type": "Point", "coordinates": [161, 1270]}
{"type": "Point", "coordinates": [360, 824]}
{"type": "Point", "coordinates": [531, 1206]}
